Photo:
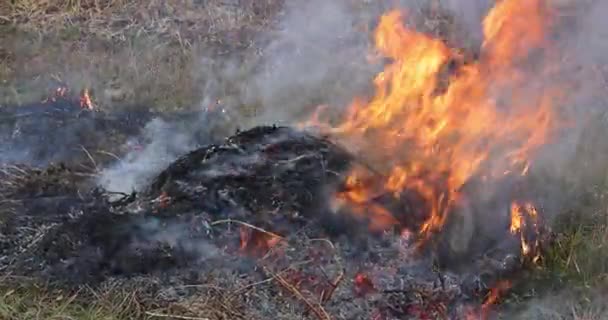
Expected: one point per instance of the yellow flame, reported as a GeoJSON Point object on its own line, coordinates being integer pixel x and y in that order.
{"type": "Point", "coordinates": [436, 128]}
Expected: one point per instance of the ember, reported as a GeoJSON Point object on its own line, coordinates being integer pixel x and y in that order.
{"type": "Point", "coordinates": [363, 285]}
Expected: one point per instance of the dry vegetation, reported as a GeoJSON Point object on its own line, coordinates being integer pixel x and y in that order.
{"type": "Point", "coordinates": [137, 52]}
{"type": "Point", "coordinates": [127, 51]}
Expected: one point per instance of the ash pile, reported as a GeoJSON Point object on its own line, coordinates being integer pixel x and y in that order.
{"type": "Point", "coordinates": [251, 225]}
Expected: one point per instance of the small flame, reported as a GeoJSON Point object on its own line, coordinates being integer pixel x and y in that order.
{"type": "Point", "coordinates": [523, 217]}
{"type": "Point", "coordinates": [85, 100]}
{"type": "Point", "coordinates": [492, 297]}
{"type": "Point", "coordinates": [496, 292]}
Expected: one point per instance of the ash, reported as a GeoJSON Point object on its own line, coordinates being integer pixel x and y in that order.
{"type": "Point", "coordinates": [242, 228]}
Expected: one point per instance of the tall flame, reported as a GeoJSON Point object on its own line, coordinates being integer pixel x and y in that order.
{"type": "Point", "coordinates": [436, 128]}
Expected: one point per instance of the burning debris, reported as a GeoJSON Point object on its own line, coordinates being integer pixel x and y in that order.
{"type": "Point", "coordinates": [261, 196]}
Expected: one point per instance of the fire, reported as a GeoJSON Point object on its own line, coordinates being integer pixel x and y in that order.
{"type": "Point", "coordinates": [525, 219]}
{"type": "Point", "coordinates": [85, 100]}
{"type": "Point", "coordinates": [437, 128]}
{"type": "Point", "coordinates": [491, 299]}
{"type": "Point", "coordinates": [519, 213]}
{"type": "Point", "coordinates": [495, 293]}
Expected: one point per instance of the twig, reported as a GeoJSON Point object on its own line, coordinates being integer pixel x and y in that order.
{"type": "Point", "coordinates": [90, 157]}
{"type": "Point", "coordinates": [267, 280]}
{"type": "Point", "coordinates": [326, 295]}
{"type": "Point", "coordinates": [247, 225]}
{"type": "Point", "coordinates": [318, 310]}
{"type": "Point", "coordinates": [251, 285]}
{"type": "Point", "coordinates": [109, 154]}
{"type": "Point", "coordinates": [160, 315]}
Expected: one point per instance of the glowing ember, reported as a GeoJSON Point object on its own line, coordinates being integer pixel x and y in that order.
{"type": "Point", "coordinates": [435, 128]}
{"type": "Point", "coordinates": [255, 242]}
{"type": "Point", "coordinates": [363, 285]}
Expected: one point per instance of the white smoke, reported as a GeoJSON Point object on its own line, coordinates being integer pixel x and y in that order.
{"type": "Point", "coordinates": [163, 143]}
{"type": "Point", "coordinates": [317, 56]}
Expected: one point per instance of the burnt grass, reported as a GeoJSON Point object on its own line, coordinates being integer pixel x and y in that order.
{"type": "Point", "coordinates": [201, 227]}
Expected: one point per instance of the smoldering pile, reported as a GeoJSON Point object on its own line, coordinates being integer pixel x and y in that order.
{"type": "Point", "coordinates": [253, 215]}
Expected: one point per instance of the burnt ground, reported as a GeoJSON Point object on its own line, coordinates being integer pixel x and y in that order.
{"type": "Point", "coordinates": [245, 222]}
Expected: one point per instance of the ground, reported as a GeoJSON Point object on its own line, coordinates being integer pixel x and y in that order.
{"type": "Point", "coordinates": [133, 53]}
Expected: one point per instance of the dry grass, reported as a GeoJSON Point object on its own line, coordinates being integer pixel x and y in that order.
{"type": "Point", "coordinates": [183, 20]}
{"type": "Point", "coordinates": [129, 52]}
{"type": "Point", "coordinates": [572, 281]}
{"type": "Point", "coordinates": [21, 300]}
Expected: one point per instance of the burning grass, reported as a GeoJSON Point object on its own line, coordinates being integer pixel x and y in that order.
{"type": "Point", "coordinates": [253, 202]}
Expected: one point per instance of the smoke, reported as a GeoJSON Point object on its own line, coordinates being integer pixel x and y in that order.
{"type": "Point", "coordinates": [163, 142]}
{"type": "Point", "coordinates": [317, 56]}
{"type": "Point", "coordinates": [568, 304]}
{"type": "Point", "coordinates": [572, 157]}
{"type": "Point", "coordinates": [153, 234]}
{"type": "Point", "coordinates": [469, 14]}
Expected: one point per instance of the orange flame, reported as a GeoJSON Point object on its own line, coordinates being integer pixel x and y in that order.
{"type": "Point", "coordinates": [85, 100]}
{"type": "Point", "coordinates": [492, 297]}
{"type": "Point", "coordinates": [436, 128]}
{"type": "Point", "coordinates": [520, 215]}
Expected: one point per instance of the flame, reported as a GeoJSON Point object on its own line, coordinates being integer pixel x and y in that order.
{"type": "Point", "coordinates": [437, 128]}
{"type": "Point", "coordinates": [496, 292]}
{"type": "Point", "coordinates": [491, 298]}
{"type": "Point", "coordinates": [85, 100]}
{"type": "Point", "coordinates": [523, 217]}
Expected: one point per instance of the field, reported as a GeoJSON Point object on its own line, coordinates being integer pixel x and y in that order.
{"type": "Point", "coordinates": [187, 55]}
